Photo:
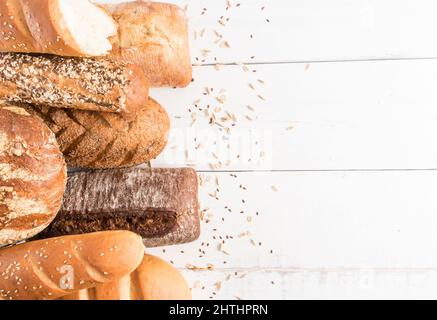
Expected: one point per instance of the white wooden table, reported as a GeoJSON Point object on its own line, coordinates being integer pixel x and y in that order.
{"type": "Point", "coordinates": [329, 188]}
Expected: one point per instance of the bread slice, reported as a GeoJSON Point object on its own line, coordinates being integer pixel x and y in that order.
{"type": "Point", "coordinates": [62, 27]}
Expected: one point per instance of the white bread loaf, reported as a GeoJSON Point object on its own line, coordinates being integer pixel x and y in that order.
{"type": "Point", "coordinates": [154, 279]}
{"type": "Point", "coordinates": [50, 269]}
{"type": "Point", "coordinates": [33, 175]}
{"type": "Point", "coordinates": [154, 36]}
{"type": "Point", "coordinates": [61, 27]}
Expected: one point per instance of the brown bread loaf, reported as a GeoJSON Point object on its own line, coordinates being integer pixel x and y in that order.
{"type": "Point", "coordinates": [32, 175]}
{"type": "Point", "coordinates": [61, 27]}
{"type": "Point", "coordinates": [155, 36]}
{"type": "Point", "coordinates": [154, 279]}
{"type": "Point", "coordinates": [108, 140]}
{"type": "Point", "coordinates": [161, 205]}
{"type": "Point", "coordinates": [50, 269]}
{"type": "Point", "coordinates": [74, 83]}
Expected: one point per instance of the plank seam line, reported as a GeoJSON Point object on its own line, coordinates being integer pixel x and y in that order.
{"type": "Point", "coordinates": [318, 170]}
{"type": "Point", "coordinates": [314, 270]}
{"type": "Point", "coordinates": [260, 63]}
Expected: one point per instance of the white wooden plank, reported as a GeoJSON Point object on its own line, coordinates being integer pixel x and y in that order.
{"type": "Point", "coordinates": [311, 30]}
{"type": "Point", "coordinates": [317, 220]}
{"type": "Point", "coordinates": [367, 115]}
{"type": "Point", "coordinates": [314, 284]}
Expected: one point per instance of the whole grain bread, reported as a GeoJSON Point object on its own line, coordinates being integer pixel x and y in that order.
{"type": "Point", "coordinates": [102, 140]}
{"type": "Point", "coordinates": [155, 36]}
{"type": "Point", "coordinates": [161, 205]}
{"type": "Point", "coordinates": [33, 175]}
{"type": "Point", "coordinates": [73, 83]}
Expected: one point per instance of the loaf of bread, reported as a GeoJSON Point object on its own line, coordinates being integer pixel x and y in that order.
{"type": "Point", "coordinates": [101, 140]}
{"type": "Point", "coordinates": [154, 279]}
{"type": "Point", "coordinates": [74, 83]}
{"type": "Point", "coordinates": [155, 36]}
{"type": "Point", "coordinates": [50, 269]}
{"type": "Point", "coordinates": [33, 175]}
{"type": "Point", "coordinates": [161, 205]}
{"type": "Point", "coordinates": [61, 27]}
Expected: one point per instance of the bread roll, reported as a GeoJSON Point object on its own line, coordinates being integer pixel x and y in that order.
{"type": "Point", "coordinates": [32, 175]}
{"type": "Point", "coordinates": [108, 140]}
{"type": "Point", "coordinates": [61, 27]}
{"type": "Point", "coordinates": [50, 269]}
{"type": "Point", "coordinates": [154, 279]}
{"type": "Point", "coordinates": [72, 83]}
{"type": "Point", "coordinates": [155, 36]}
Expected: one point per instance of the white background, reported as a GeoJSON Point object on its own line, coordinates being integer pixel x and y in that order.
{"type": "Point", "coordinates": [335, 187]}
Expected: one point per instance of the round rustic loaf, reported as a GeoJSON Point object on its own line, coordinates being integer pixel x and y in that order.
{"type": "Point", "coordinates": [33, 175]}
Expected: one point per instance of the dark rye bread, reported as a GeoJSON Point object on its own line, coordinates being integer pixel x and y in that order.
{"type": "Point", "coordinates": [159, 204]}
{"type": "Point", "coordinates": [73, 83]}
{"type": "Point", "coordinates": [102, 140]}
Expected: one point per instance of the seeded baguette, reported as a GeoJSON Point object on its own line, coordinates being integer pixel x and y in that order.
{"type": "Point", "coordinates": [72, 83]}
{"type": "Point", "coordinates": [50, 269]}
{"type": "Point", "coordinates": [103, 140]}
{"type": "Point", "coordinates": [161, 205]}
{"type": "Point", "coordinates": [155, 36]}
{"type": "Point", "coordinates": [154, 279]}
{"type": "Point", "coordinates": [33, 175]}
{"type": "Point", "coordinates": [60, 27]}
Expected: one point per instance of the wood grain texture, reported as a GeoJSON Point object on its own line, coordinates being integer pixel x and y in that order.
{"type": "Point", "coordinates": [309, 30]}
{"type": "Point", "coordinates": [327, 116]}
{"type": "Point", "coordinates": [314, 284]}
{"type": "Point", "coordinates": [331, 220]}
{"type": "Point", "coordinates": [340, 228]}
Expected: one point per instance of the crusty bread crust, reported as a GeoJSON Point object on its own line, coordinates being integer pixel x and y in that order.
{"type": "Point", "coordinates": [31, 26]}
{"type": "Point", "coordinates": [14, 32]}
{"type": "Point", "coordinates": [155, 36]}
{"type": "Point", "coordinates": [102, 140]}
{"type": "Point", "coordinates": [162, 205]}
{"type": "Point", "coordinates": [50, 269]}
{"type": "Point", "coordinates": [77, 83]}
{"type": "Point", "coordinates": [154, 279]}
{"type": "Point", "coordinates": [32, 175]}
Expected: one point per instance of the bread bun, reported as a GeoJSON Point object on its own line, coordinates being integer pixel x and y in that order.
{"type": "Point", "coordinates": [33, 175]}
{"type": "Point", "coordinates": [159, 280]}
{"type": "Point", "coordinates": [154, 279]}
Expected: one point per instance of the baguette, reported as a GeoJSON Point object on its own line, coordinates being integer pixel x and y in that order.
{"type": "Point", "coordinates": [33, 175]}
{"type": "Point", "coordinates": [154, 36]}
{"type": "Point", "coordinates": [60, 27]}
{"type": "Point", "coordinates": [72, 83]}
{"type": "Point", "coordinates": [154, 279]}
{"type": "Point", "coordinates": [161, 205]}
{"type": "Point", "coordinates": [107, 140]}
{"type": "Point", "coordinates": [50, 269]}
